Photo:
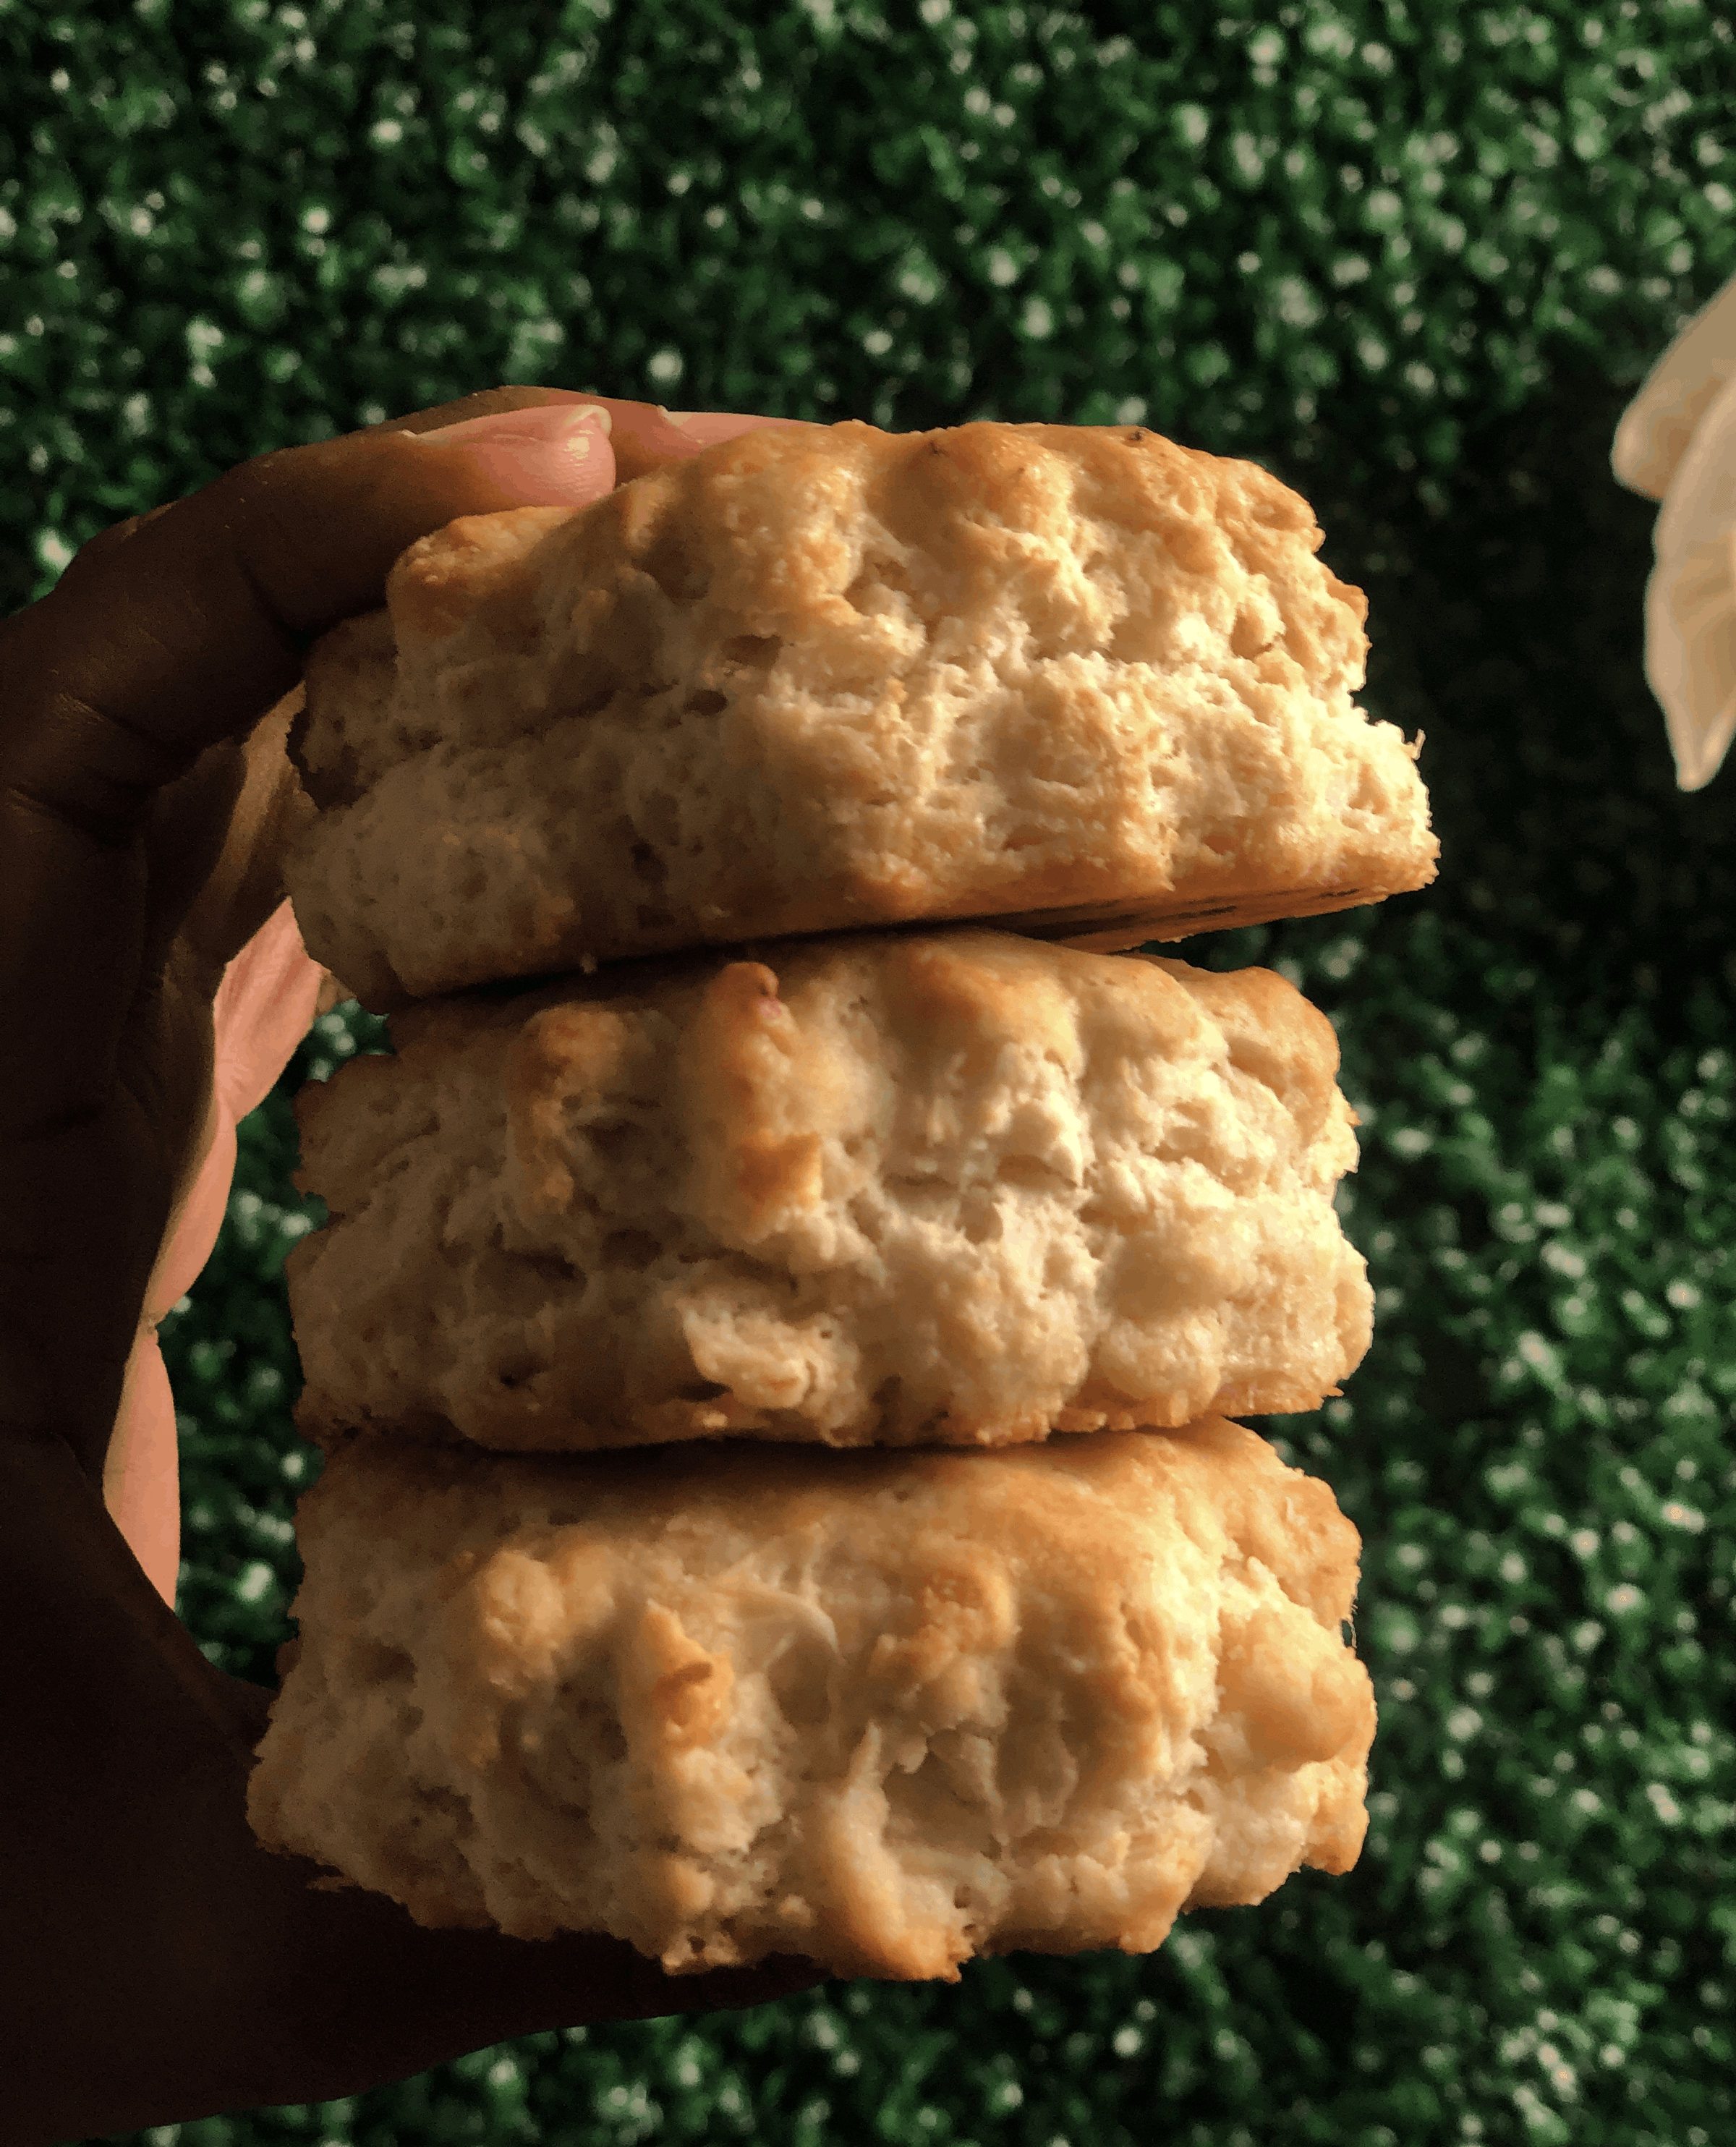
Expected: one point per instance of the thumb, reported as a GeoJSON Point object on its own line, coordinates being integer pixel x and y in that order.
{"type": "Point", "coordinates": [557, 455]}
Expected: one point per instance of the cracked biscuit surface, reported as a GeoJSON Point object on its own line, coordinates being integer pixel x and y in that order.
{"type": "Point", "coordinates": [1076, 679]}
{"type": "Point", "coordinates": [956, 1186]}
{"type": "Point", "coordinates": [885, 1710]}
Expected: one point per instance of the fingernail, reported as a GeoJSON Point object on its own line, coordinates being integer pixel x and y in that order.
{"type": "Point", "coordinates": [555, 455]}
{"type": "Point", "coordinates": [545, 424]}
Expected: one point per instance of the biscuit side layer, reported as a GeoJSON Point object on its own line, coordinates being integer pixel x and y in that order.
{"type": "Point", "coordinates": [810, 682]}
{"type": "Point", "coordinates": [887, 1710]}
{"type": "Point", "coordinates": [884, 1189]}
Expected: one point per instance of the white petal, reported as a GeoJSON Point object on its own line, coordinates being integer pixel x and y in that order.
{"type": "Point", "coordinates": [1690, 661]}
{"type": "Point", "coordinates": [1701, 501]}
{"type": "Point", "coordinates": [1658, 424]}
{"type": "Point", "coordinates": [1691, 597]}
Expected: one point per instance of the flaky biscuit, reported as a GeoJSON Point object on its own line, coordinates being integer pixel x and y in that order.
{"type": "Point", "coordinates": [876, 1188]}
{"type": "Point", "coordinates": [1077, 680]}
{"type": "Point", "coordinates": [885, 1710]}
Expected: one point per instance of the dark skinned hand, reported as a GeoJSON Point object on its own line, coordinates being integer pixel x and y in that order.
{"type": "Point", "coordinates": [156, 1963]}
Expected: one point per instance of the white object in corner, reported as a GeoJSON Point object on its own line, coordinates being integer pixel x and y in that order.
{"type": "Point", "coordinates": [1676, 443]}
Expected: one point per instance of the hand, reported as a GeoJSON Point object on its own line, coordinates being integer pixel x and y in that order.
{"type": "Point", "coordinates": [270, 990]}
{"type": "Point", "coordinates": [156, 1963]}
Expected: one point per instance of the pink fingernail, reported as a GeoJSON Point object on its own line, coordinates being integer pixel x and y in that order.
{"type": "Point", "coordinates": [556, 455]}
{"type": "Point", "coordinates": [545, 424]}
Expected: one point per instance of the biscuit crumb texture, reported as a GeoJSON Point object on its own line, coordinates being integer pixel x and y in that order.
{"type": "Point", "coordinates": [878, 1188]}
{"type": "Point", "coordinates": [885, 1710]}
{"type": "Point", "coordinates": [813, 681]}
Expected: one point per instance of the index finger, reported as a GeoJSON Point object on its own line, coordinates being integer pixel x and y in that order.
{"type": "Point", "coordinates": [643, 434]}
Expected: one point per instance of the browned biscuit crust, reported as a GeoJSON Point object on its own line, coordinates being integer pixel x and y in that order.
{"type": "Point", "coordinates": [1077, 679]}
{"type": "Point", "coordinates": [885, 1710]}
{"type": "Point", "coordinates": [957, 1186]}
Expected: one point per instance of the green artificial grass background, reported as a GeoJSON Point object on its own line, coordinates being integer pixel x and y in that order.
{"type": "Point", "coordinates": [1415, 259]}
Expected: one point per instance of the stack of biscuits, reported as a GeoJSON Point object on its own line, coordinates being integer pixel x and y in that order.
{"type": "Point", "coordinates": [773, 1335]}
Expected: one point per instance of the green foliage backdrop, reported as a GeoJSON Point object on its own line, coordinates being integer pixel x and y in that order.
{"type": "Point", "coordinates": [1412, 257]}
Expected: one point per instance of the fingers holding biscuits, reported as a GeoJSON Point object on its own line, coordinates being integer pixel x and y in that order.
{"type": "Point", "coordinates": [164, 640]}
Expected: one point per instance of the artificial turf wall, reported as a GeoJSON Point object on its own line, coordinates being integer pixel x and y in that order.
{"type": "Point", "coordinates": [1414, 259]}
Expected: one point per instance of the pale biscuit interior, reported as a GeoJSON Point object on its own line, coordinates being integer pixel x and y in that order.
{"type": "Point", "coordinates": [811, 681]}
{"type": "Point", "coordinates": [942, 1187]}
{"type": "Point", "coordinates": [885, 1710]}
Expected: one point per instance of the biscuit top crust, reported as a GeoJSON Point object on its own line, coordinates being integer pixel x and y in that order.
{"type": "Point", "coordinates": [1077, 681]}
{"type": "Point", "coordinates": [843, 551]}
{"type": "Point", "coordinates": [1017, 518]}
{"type": "Point", "coordinates": [817, 1189]}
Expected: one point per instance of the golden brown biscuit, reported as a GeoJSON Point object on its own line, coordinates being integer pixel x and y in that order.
{"type": "Point", "coordinates": [1074, 679]}
{"type": "Point", "coordinates": [878, 1189]}
{"type": "Point", "coordinates": [885, 1710]}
